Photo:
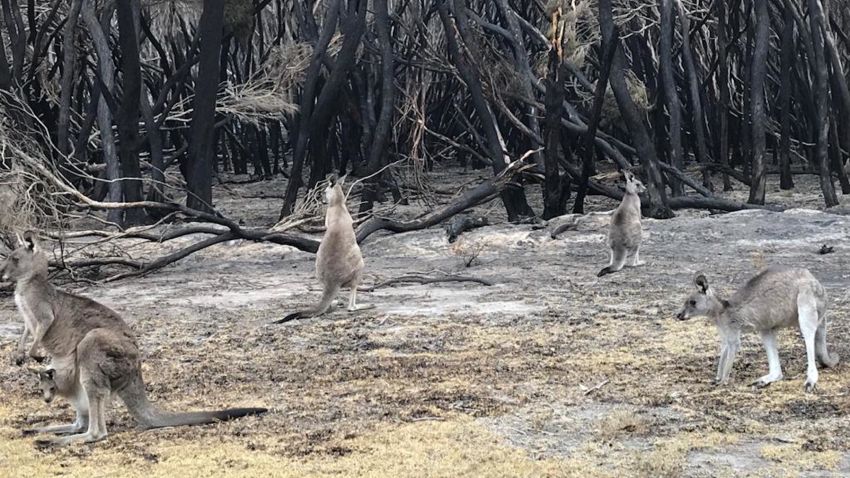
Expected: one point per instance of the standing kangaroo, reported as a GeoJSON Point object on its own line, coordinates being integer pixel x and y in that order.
{"type": "Point", "coordinates": [775, 298]}
{"type": "Point", "coordinates": [339, 262]}
{"type": "Point", "coordinates": [624, 234]}
{"type": "Point", "coordinates": [94, 353]}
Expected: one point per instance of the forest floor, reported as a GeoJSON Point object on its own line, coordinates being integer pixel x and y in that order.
{"type": "Point", "coordinates": [551, 371]}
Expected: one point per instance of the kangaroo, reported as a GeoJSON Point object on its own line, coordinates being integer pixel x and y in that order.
{"type": "Point", "coordinates": [47, 382]}
{"type": "Point", "coordinates": [20, 356]}
{"type": "Point", "coordinates": [624, 234]}
{"type": "Point", "coordinates": [776, 297]}
{"type": "Point", "coordinates": [94, 353]}
{"type": "Point", "coordinates": [339, 262]}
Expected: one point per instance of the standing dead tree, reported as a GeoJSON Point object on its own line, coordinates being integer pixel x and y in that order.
{"type": "Point", "coordinates": [657, 206]}
{"type": "Point", "coordinates": [199, 169]}
{"type": "Point", "coordinates": [159, 100]}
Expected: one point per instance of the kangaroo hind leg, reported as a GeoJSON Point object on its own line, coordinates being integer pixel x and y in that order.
{"type": "Point", "coordinates": [636, 262]}
{"type": "Point", "coordinates": [618, 260]}
{"type": "Point", "coordinates": [807, 313]}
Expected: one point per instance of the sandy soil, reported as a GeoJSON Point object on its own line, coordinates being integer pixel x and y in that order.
{"type": "Point", "coordinates": [549, 372]}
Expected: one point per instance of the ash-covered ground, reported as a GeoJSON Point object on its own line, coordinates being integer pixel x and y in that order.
{"type": "Point", "coordinates": [551, 371]}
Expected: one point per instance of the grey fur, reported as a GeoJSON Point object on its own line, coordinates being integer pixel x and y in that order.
{"type": "Point", "coordinates": [339, 262]}
{"type": "Point", "coordinates": [624, 233]}
{"type": "Point", "coordinates": [94, 353]}
{"type": "Point", "coordinates": [21, 353]}
{"type": "Point", "coordinates": [775, 298]}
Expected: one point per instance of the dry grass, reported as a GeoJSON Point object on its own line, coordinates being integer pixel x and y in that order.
{"type": "Point", "coordinates": [801, 459]}
{"type": "Point", "coordinates": [621, 422]}
{"type": "Point", "coordinates": [452, 448]}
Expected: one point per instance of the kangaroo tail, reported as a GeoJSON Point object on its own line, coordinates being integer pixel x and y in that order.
{"type": "Point", "coordinates": [148, 416]}
{"type": "Point", "coordinates": [328, 296]}
{"type": "Point", "coordinates": [563, 227]}
{"type": "Point", "coordinates": [169, 419]}
{"type": "Point", "coordinates": [821, 351]}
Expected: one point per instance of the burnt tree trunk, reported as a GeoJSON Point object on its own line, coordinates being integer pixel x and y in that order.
{"type": "Point", "coordinates": [758, 71]}
{"type": "Point", "coordinates": [835, 162]}
{"type": "Point", "coordinates": [656, 206]}
{"type": "Point", "coordinates": [199, 170]}
{"type": "Point", "coordinates": [513, 198]}
{"type": "Point", "coordinates": [554, 102]}
{"type": "Point", "coordinates": [106, 74]}
{"type": "Point", "coordinates": [671, 96]}
{"type": "Point", "coordinates": [786, 181]}
{"type": "Point", "coordinates": [378, 150]}
{"type": "Point", "coordinates": [821, 94]}
{"type": "Point", "coordinates": [608, 50]}
{"type": "Point", "coordinates": [128, 113]}
{"type": "Point", "coordinates": [723, 85]}
{"type": "Point", "coordinates": [521, 59]}
{"type": "Point", "coordinates": [69, 70]}
{"type": "Point", "coordinates": [314, 120]}
{"type": "Point", "coordinates": [698, 117]}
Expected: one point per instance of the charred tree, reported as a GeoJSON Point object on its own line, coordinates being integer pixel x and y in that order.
{"type": "Point", "coordinates": [608, 49]}
{"type": "Point", "coordinates": [657, 197]}
{"type": "Point", "coordinates": [697, 115]}
{"type": "Point", "coordinates": [106, 79]}
{"type": "Point", "coordinates": [513, 198]}
{"type": "Point", "coordinates": [69, 70]}
{"type": "Point", "coordinates": [128, 112]}
{"type": "Point", "coordinates": [378, 150]}
{"type": "Point", "coordinates": [199, 170]}
{"type": "Point", "coordinates": [821, 93]}
{"type": "Point", "coordinates": [758, 71]}
{"type": "Point", "coordinates": [671, 96]}
{"type": "Point", "coordinates": [554, 102]}
{"type": "Point", "coordinates": [786, 181]}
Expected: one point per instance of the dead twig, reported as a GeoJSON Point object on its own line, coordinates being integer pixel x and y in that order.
{"type": "Point", "coordinates": [596, 387]}
{"type": "Point", "coordinates": [421, 279]}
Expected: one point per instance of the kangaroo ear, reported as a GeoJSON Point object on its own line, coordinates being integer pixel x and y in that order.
{"type": "Point", "coordinates": [701, 283]}
{"type": "Point", "coordinates": [30, 241]}
{"type": "Point", "coordinates": [341, 180]}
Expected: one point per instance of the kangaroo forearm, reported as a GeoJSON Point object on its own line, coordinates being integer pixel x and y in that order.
{"type": "Point", "coordinates": [40, 330]}
{"type": "Point", "coordinates": [33, 352]}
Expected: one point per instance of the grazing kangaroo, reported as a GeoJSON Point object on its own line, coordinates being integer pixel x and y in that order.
{"type": "Point", "coordinates": [94, 353]}
{"type": "Point", "coordinates": [775, 298]}
{"type": "Point", "coordinates": [339, 262]}
{"type": "Point", "coordinates": [624, 234]}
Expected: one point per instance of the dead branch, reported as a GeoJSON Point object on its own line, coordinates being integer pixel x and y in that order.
{"type": "Point", "coordinates": [421, 279]}
{"type": "Point", "coordinates": [480, 194]}
{"type": "Point", "coordinates": [459, 225]}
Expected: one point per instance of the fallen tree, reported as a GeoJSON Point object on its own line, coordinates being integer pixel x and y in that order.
{"type": "Point", "coordinates": [221, 229]}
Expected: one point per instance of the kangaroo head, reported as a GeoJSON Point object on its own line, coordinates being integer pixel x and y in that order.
{"type": "Point", "coordinates": [26, 261]}
{"type": "Point", "coordinates": [47, 382]}
{"type": "Point", "coordinates": [633, 184]}
{"type": "Point", "coordinates": [700, 303]}
{"type": "Point", "coordinates": [334, 195]}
